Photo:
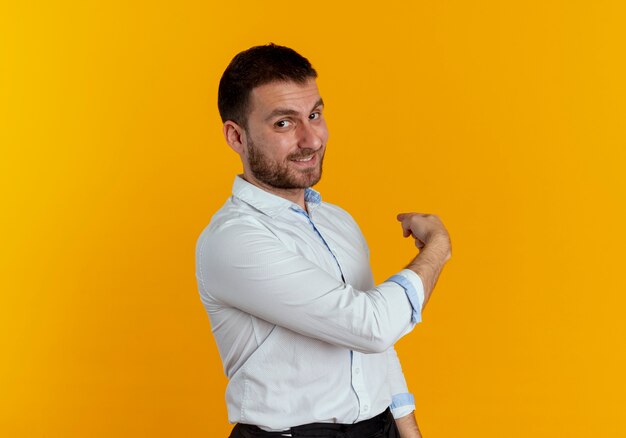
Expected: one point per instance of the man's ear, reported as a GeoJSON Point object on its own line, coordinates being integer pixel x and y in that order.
{"type": "Point", "coordinates": [235, 136]}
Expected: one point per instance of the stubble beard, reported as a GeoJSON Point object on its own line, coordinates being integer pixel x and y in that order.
{"type": "Point", "coordinates": [279, 175]}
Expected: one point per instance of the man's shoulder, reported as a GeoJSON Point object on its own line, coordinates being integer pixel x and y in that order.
{"type": "Point", "coordinates": [336, 211]}
{"type": "Point", "coordinates": [233, 213]}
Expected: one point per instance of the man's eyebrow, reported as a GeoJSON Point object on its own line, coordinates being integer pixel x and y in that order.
{"type": "Point", "coordinates": [290, 112]}
{"type": "Point", "coordinates": [320, 102]}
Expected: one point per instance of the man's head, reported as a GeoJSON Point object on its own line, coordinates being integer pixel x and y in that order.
{"type": "Point", "coordinates": [272, 113]}
{"type": "Point", "coordinates": [252, 68]}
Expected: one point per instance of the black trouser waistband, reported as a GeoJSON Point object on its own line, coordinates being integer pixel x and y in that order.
{"type": "Point", "coordinates": [380, 423]}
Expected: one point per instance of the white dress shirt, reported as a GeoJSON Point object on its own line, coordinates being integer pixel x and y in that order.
{"type": "Point", "coordinates": [303, 333]}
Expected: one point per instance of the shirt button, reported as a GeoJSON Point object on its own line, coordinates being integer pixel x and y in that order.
{"type": "Point", "coordinates": [357, 370]}
{"type": "Point", "coordinates": [365, 408]}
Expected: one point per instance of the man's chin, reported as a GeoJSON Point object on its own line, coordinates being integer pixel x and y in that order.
{"type": "Point", "coordinates": [301, 179]}
{"type": "Point", "coordinates": [313, 178]}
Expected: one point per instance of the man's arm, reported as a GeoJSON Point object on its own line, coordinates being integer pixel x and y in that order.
{"type": "Point", "coordinates": [435, 248]}
{"type": "Point", "coordinates": [407, 426]}
{"type": "Point", "coordinates": [402, 402]}
{"type": "Point", "coordinates": [244, 265]}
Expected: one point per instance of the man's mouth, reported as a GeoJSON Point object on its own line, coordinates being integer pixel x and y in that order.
{"type": "Point", "coordinates": [309, 158]}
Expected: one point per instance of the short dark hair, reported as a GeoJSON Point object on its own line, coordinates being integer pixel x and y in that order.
{"type": "Point", "coordinates": [257, 66]}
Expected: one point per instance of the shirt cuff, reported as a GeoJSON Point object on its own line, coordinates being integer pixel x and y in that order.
{"type": "Point", "coordinates": [414, 288]}
{"type": "Point", "coordinates": [402, 404]}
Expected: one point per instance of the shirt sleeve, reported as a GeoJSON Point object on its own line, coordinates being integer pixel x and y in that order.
{"type": "Point", "coordinates": [244, 265]}
{"type": "Point", "coordinates": [414, 288]}
{"type": "Point", "coordinates": [402, 401]}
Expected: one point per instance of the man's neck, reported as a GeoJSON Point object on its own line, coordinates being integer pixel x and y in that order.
{"type": "Point", "coordinates": [294, 195]}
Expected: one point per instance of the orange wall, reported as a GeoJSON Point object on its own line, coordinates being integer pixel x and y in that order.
{"type": "Point", "coordinates": [505, 118]}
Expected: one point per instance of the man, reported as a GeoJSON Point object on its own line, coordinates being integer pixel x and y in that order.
{"type": "Point", "coordinates": [305, 337]}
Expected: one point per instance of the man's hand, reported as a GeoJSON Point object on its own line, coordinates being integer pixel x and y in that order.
{"type": "Point", "coordinates": [432, 238]}
{"type": "Point", "coordinates": [423, 228]}
{"type": "Point", "coordinates": [407, 426]}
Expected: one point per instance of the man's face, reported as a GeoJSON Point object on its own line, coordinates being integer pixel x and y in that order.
{"type": "Point", "coordinates": [286, 136]}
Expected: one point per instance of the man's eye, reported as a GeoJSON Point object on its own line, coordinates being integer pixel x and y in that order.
{"type": "Point", "coordinates": [282, 123]}
{"type": "Point", "coordinates": [315, 115]}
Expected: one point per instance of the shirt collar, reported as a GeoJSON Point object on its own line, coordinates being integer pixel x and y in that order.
{"type": "Point", "coordinates": [269, 203]}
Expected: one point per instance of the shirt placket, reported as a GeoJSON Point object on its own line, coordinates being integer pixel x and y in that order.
{"type": "Point", "coordinates": [356, 368]}
{"type": "Point", "coordinates": [308, 218]}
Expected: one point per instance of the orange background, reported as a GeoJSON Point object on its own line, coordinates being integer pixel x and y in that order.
{"type": "Point", "coordinates": [505, 118]}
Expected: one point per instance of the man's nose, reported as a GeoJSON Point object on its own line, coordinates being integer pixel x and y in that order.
{"type": "Point", "coordinates": [309, 136]}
